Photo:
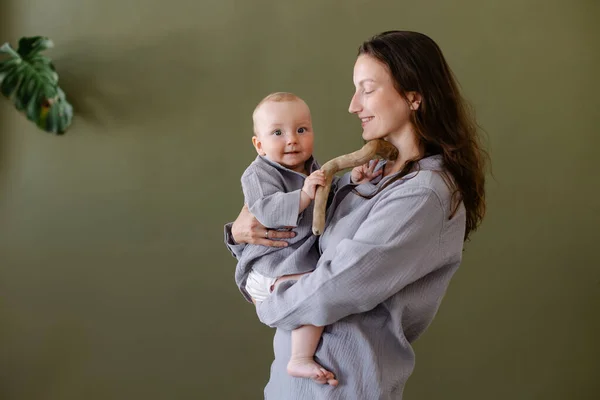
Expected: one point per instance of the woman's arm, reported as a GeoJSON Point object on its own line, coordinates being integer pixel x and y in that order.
{"type": "Point", "coordinates": [396, 245]}
{"type": "Point", "coordinates": [235, 248]}
{"type": "Point", "coordinates": [247, 230]}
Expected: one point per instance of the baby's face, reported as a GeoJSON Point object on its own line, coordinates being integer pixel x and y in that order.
{"type": "Point", "coordinates": [284, 133]}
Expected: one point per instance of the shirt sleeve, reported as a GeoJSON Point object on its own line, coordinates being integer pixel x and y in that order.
{"type": "Point", "coordinates": [235, 249]}
{"type": "Point", "coordinates": [384, 256]}
{"type": "Point", "coordinates": [268, 202]}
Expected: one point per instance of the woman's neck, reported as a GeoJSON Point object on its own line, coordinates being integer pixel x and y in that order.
{"type": "Point", "coordinates": [408, 147]}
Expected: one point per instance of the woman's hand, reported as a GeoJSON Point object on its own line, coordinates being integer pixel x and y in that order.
{"type": "Point", "coordinates": [247, 229]}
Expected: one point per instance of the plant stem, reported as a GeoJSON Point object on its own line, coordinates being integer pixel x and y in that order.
{"type": "Point", "coordinates": [7, 49]}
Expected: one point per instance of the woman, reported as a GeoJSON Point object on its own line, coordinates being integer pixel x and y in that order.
{"type": "Point", "coordinates": [392, 245]}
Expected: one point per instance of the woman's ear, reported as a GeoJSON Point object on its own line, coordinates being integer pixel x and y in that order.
{"type": "Point", "coordinates": [414, 100]}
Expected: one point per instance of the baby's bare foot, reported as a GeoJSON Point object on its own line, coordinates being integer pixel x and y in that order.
{"type": "Point", "coordinates": [308, 368]}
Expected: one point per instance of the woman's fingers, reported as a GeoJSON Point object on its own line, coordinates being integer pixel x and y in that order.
{"type": "Point", "coordinates": [273, 234]}
{"type": "Point", "coordinates": [273, 238]}
{"type": "Point", "coordinates": [247, 229]}
{"type": "Point", "coordinates": [270, 243]}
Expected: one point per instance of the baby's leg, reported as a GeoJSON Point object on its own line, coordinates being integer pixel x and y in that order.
{"type": "Point", "coordinates": [304, 344]}
{"type": "Point", "coordinates": [302, 364]}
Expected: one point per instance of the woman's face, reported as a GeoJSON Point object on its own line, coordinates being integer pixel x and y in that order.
{"type": "Point", "coordinates": [382, 110]}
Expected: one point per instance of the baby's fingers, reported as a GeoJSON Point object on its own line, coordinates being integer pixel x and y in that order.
{"type": "Point", "coordinates": [319, 181]}
{"type": "Point", "coordinates": [372, 165]}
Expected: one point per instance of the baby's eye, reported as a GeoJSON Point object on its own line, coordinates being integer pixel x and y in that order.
{"type": "Point", "coordinates": [277, 132]}
{"type": "Point", "coordinates": [302, 130]}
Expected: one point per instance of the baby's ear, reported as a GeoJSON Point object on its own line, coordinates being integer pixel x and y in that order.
{"type": "Point", "coordinates": [258, 145]}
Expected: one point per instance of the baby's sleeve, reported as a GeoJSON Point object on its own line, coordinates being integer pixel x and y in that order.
{"type": "Point", "coordinates": [265, 196]}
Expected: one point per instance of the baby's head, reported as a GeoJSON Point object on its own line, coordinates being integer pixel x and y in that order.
{"type": "Point", "coordinates": [283, 130]}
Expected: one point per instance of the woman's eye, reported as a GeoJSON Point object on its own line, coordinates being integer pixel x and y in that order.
{"type": "Point", "coordinates": [369, 91]}
{"type": "Point", "coordinates": [277, 132]}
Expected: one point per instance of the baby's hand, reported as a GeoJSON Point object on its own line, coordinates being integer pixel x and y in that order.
{"type": "Point", "coordinates": [364, 173]}
{"type": "Point", "coordinates": [312, 181]}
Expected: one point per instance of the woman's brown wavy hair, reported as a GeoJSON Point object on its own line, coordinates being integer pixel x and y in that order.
{"type": "Point", "coordinates": [443, 120]}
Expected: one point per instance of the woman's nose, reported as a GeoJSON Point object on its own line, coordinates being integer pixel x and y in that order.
{"type": "Point", "coordinates": [355, 105]}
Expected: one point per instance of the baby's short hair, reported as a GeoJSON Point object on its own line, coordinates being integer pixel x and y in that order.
{"type": "Point", "coordinates": [280, 96]}
{"type": "Point", "coordinates": [276, 97]}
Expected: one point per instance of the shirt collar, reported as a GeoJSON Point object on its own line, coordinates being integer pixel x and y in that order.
{"type": "Point", "coordinates": [431, 163]}
{"type": "Point", "coordinates": [312, 164]}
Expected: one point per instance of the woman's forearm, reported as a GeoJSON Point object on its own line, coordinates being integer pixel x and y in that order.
{"type": "Point", "coordinates": [384, 256]}
{"type": "Point", "coordinates": [232, 244]}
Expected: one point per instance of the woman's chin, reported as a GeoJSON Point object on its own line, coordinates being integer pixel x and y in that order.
{"type": "Point", "coordinates": [366, 135]}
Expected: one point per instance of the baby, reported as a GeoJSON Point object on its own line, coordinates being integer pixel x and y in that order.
{"type": "Point", "coordinates": [279, 186]}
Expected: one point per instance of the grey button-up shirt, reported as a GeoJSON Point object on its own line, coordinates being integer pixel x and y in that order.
{"type": "Point", "coordinates": [385, 266]}
{"type": "Point", "coordinates": [272, 194]}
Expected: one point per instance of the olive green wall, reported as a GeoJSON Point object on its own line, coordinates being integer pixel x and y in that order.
{"type": "Point", "coordinates": [114, 283]}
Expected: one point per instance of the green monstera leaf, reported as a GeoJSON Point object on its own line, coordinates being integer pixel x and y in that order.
{"type": "Point", "coordinates": [29, 80]}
